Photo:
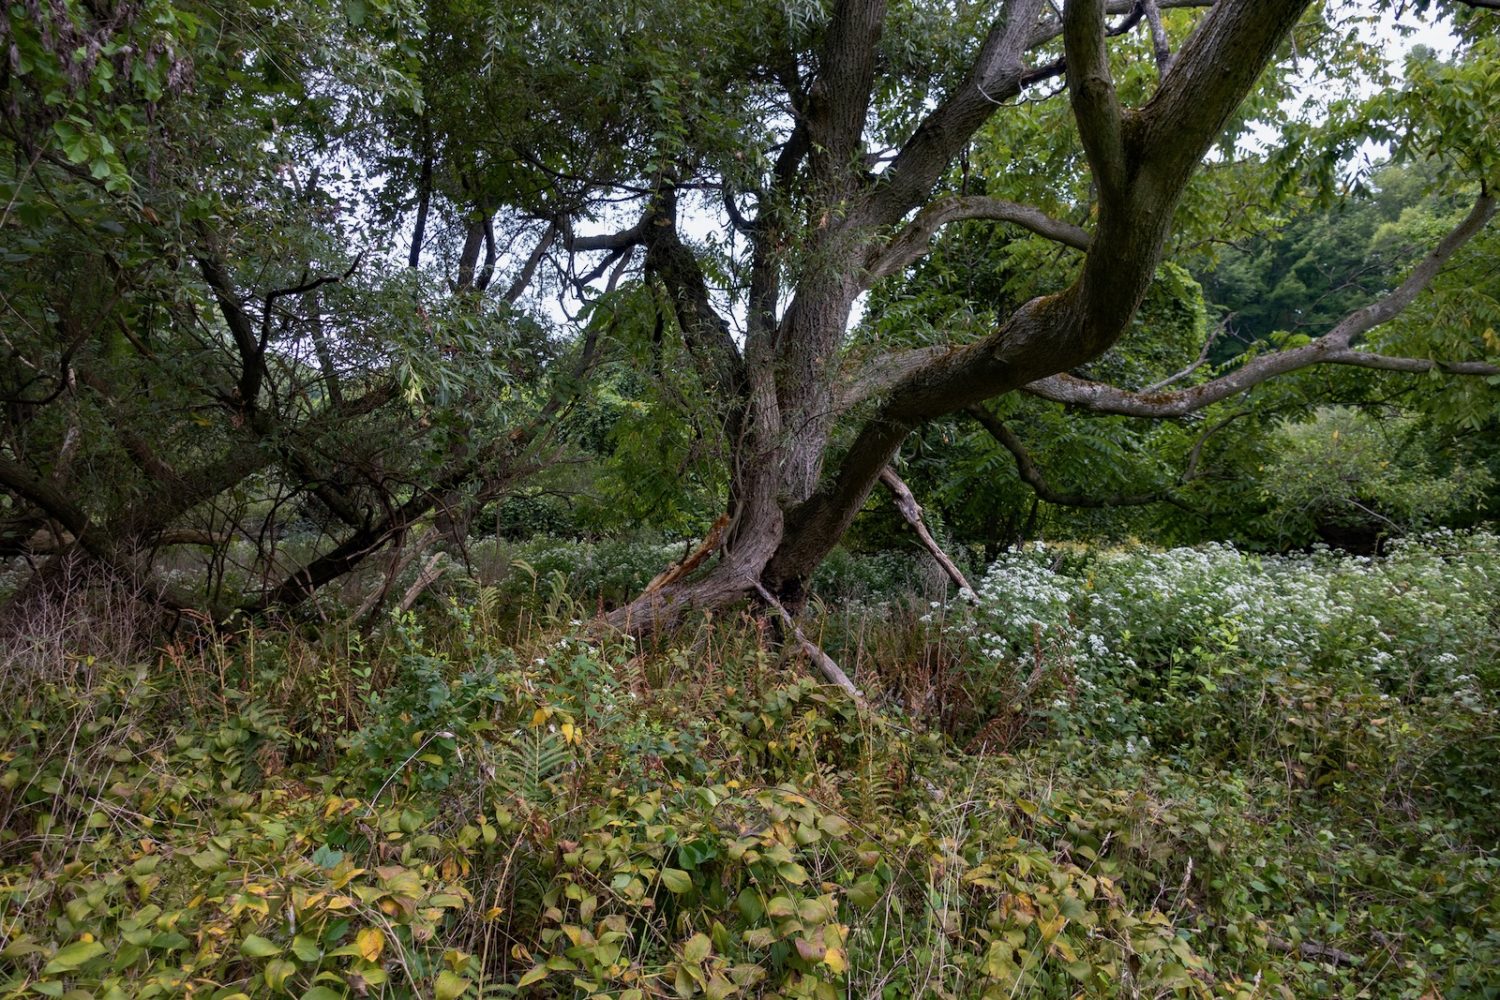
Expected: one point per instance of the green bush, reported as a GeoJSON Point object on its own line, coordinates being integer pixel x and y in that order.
{"type": "Point", "coordinates": [1240, 777]}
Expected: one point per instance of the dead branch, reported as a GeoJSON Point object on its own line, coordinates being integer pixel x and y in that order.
{"type": "Point", "coordinates": [907, 504]}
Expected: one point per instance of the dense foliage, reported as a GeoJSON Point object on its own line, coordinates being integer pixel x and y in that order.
{"type": "Point", "coordinates": [1189, 773]}
{"type": "Point", "coordinates": [749, 498]}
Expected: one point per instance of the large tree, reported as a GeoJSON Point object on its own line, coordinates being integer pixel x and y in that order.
{"type": "Point", "coordinates": [863, 175]}
{"type": "Point", "coordinates": [726, 179]}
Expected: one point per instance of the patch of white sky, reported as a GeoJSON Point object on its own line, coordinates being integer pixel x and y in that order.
{"type": "Point", "coordinates": [705, 222]}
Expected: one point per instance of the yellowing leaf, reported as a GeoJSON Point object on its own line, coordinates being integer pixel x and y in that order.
{"type": "Point", "coordinates": [697, 948]}
{"type": "Point", "coordinates": [676, 880]}
{"type": "Point", "coordinates": [278, 971]}
{"type": "Point", "coordinates": [449, 985]}
{"type": "Point", "coordinates": [370, 942]}
{"type": "Point", "coordinates": [537, 974]}
{"type": "Point", "coordinates": [256, 946]}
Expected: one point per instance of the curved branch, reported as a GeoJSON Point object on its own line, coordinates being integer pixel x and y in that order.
{"type": "Point", "coordinates": [1334, 347]}
{"type": "Point", "coordinates": [1031, 474]}
{"type": "Point", "coordinates": [911, 243]}
{"type": "Point", "coordinates": [830, 670]}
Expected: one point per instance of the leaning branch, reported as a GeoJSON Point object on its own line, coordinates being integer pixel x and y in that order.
{"type": "Point", "coordinates": [47, 498]}
{"type": "Point", "coordinates": [907, 504]}
{"type": "Point", "coordinates": [1333, 348]}
{"type": "Point", "coordinates": [825, 663]}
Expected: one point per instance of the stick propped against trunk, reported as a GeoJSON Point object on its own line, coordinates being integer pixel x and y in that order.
{"type": "Point", "coordinates": [907, 504]}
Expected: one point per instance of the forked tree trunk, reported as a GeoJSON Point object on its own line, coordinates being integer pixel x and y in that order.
{"type": "Point", "coordinates": [794, 491]}
{"type": "Point", "coordinates": [787, 511]}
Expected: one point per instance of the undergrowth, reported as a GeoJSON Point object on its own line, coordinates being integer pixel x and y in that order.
{"type": "Point", "coordinates": [1141, 774]}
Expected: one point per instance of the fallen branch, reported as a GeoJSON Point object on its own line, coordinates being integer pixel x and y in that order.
{"type": "Point", "coordinates": [677, 571]}
{"type": "Point", "coordinates": [907, 504]}
{"type": "Point", "coordinates": [825, 663]}
{"type": "Point", "coordinates": [425, 579]}
{"type": "Point", "coordinates": [400, 559]}
{"type": "Point", "coordinates": [1313, 950]}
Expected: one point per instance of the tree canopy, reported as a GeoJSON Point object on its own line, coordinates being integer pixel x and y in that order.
{"type": "Point", "coordinates": [372, 272]}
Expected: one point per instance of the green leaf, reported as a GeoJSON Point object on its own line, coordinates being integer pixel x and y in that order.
{"type": "Point", "coordinates": [833, 825]}
{"type": "Point", "coordinates": [449, 985]}
{"type": "Point", "coordinates": [865, 892]}
{"type": "Point", "coordinates": [256, 946]}
{"type": "Point", "coordinates": [69, 958]}
{"type": "Point", "coordinates": [676, 880]}
{"type": "Point", "coordinates": [305, 948]}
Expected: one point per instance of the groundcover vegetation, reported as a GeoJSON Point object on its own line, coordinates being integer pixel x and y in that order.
{"type": "Point", "coordinates": [1123, 772]}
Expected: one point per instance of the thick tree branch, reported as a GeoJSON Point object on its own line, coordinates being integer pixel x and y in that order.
{"type": "Point", "coordinates": [994, 77]}
{"type": "Point", "coordinates": [241, 329]}
{"type": "Point", "coordinates": [50, 500]}
{"type": "Point", "coordinates": [622, 240]}
{"type": "Point", "coordinates": [1211, 74]}
{"type": "Point", "coordinates": [839, 100]}
{"type": "Point", "coordinates": [528, 270]}
{"type": "Point", "coordinates": [705, 332]}
{"type": "Point", "coordinates": [424, 200]}
{"type": "Point", "coordinates": [1334, 347]}
{"type": "Point", "coordinates": [883, 373]}
{"type": "Point", "coordinates": [1091, 91]}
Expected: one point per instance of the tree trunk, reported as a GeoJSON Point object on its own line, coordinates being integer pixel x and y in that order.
{"type": "Point", "coordinates": [787, 512]}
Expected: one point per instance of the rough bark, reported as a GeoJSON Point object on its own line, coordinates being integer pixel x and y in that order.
{"type": "Point", "coordinates": [787, 511]}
